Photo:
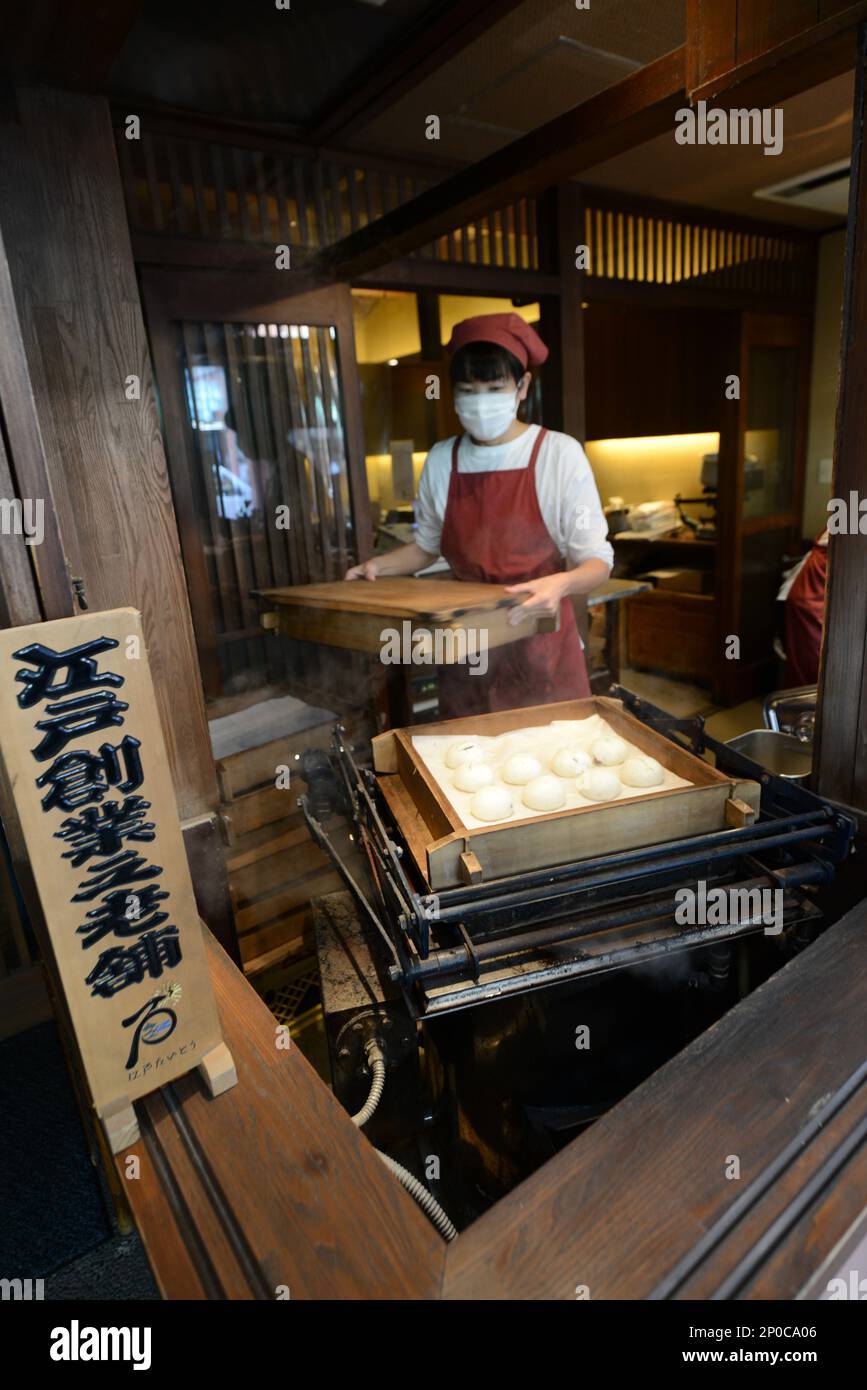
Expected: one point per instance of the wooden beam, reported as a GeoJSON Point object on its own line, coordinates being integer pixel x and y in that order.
{"type": "Point", "coordinates": [411, 58]}
{"type": "Point", "coordinates": [840, 759]}
{"type": "Point", "coordinates": [449, 277]}
{"type": "Point", "coordinates": [628, 113]}
{"type": "Point", "coordinates": [806, 58]}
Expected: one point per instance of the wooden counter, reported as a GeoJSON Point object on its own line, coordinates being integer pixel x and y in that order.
{"type": "Point", "coordinates": [276, 1187]}
{"type": "Point", "coordinates": [271, 1184]}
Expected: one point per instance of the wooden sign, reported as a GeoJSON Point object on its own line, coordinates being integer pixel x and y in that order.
{"type": "Point", "coordinates": [85, 760]}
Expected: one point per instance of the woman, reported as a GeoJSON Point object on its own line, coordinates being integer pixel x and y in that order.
{"type": "Point", "coordinates": [504, 503]}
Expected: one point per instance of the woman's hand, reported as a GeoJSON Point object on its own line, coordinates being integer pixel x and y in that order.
{"type": "Point", "coordinates": [544, 597]}
{"type": "Point", "coordinates": [367, 570]}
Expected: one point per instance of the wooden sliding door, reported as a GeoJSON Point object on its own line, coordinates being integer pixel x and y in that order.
{"type": "Point", "coordinates": [262, 415]}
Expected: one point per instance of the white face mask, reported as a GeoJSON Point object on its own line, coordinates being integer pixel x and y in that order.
{"type": "Point", "coordinates": [486, 414]}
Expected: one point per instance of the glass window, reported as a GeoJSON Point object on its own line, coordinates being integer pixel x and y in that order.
{"type": "Point", "coordinates": [268, 452]}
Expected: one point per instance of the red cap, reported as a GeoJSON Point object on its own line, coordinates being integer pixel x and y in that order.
{"type": "Point", "coordinates": [508, 331]}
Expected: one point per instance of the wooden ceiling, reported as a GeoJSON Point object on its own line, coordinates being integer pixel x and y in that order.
{"type": "Point", "coordinates": [221, 58]}
{"type": "Point", "coordinates": [817, 127]}
{"type": "Point", "coordinates": [366, 75]}
{"type": "Point", "coordinates": [532, 64]}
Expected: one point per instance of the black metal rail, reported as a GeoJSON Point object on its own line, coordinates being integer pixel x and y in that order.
{"type": "Point", "coordinates": [475, 954]}
{"type": "Point", "coordinates": [796, 841]}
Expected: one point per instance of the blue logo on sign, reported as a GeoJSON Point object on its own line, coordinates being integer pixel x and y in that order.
{"type": "Point", "coordinates": [157, 1029]}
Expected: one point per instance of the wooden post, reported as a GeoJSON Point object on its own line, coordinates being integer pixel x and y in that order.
{"type": "Point", "coordinates": [570, 236]}
{"type": "Point", "coordinates": [562, 324]}
{"type": "Point", "coordinates": [64, 226]}
{"type": "Point", "coordinates": [93, 444]}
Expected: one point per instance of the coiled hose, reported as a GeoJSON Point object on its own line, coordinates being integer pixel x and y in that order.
{"type": "Point", "coordinates": [428, 1203]}
{"type": "Point", "coordinates": [417, 1190]}
{"type": "Point", "coordinates": [376, 1062]}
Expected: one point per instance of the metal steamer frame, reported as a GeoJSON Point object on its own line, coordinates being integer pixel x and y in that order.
{"type": "Point", "coordinates": [470, 944]}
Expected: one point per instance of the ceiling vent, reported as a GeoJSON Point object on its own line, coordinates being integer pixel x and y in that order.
{"type": "Point", "coordinates": [822, 190]}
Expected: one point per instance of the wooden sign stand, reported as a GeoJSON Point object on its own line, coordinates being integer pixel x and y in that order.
{"type": "Point", "coordinates": [118, 1118]}
{"type": "Point", "coordinates": [84, 757]}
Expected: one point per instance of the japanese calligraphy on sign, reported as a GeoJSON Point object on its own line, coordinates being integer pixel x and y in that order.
{"type": "Point", "coordinates": [83, 752]}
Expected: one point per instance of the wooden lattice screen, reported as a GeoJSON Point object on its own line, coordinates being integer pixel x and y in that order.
{"type": "Point", "coordinates": [688, 247]}
{"type": "Point", "coordinates": [183, 185]}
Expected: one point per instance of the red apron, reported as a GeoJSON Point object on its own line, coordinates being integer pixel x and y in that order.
{"type": "Point", "coordinates": [493, 533]}
{"type": "Point", "coordinates": [805, 616]}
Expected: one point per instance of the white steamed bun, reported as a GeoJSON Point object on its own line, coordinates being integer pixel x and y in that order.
{"type": "Point", "coordinates": [568, 762]}
{"type": "Point", "coordinates": [642, 771]}
{"type": "Point", "coordinates": [491, 803]}
{"type": "Point", "coordinates": [545, 793]}
{"type": "Point", "coordinates": [466, 750]}
{"type": "Point", "coordinates": [470, 777]}
{"type": "Point", "coordinates": [521, 768]}
{"type": "Point", "coordinates": [609, 750]}
{"type": "Point", "coordinates": [599, 784]}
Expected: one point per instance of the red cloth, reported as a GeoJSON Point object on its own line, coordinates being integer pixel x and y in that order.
{"type": "Point", "coordinates": [805, 616]}
{"type": "Point", "coordinates": [493, 533]}
{"type": "Point", "coordinates": [508, 331]}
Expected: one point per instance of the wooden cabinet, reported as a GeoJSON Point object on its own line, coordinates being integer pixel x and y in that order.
{"type": "Point", "coordinates": [652, 371]}
{"type": "Point", "coordinates": [672, 632]}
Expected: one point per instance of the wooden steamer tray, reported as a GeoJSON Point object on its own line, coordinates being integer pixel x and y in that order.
{"type": "Point", "coordinates": [353, 613]}
{"type": "Point", "coordinates": [449, 853]}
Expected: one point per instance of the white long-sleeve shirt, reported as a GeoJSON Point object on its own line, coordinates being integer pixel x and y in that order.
{"type": "Point", "coordinates": [565, 489]}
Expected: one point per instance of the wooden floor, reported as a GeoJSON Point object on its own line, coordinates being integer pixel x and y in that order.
{"type": "Point", "coordinates": [271, 1185]}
